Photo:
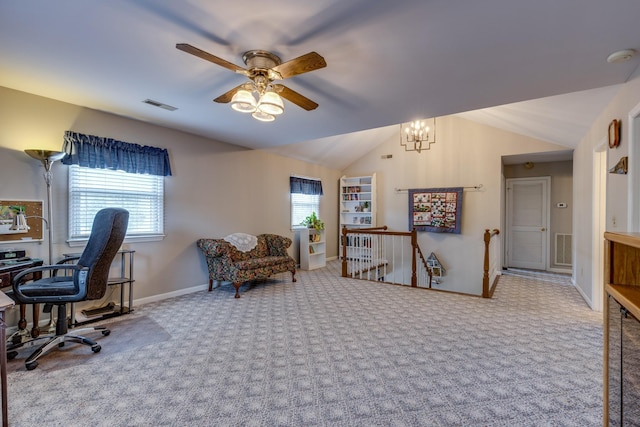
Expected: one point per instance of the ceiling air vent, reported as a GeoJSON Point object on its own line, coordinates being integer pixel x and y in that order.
{"type": "Point", "coordinates": [159, 104]}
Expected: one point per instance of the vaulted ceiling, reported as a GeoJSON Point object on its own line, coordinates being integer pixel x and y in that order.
{"type": "Point", "coordinates": [387, 62]}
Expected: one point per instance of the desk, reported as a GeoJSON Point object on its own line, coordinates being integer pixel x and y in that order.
{"type": "Point", "coordinates": [5, 303]}
{"type": "Point", "coordinates": [10, 269]}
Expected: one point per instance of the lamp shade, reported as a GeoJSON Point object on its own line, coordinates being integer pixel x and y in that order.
{"type": "Point", "coordinates": [243, 101]}
{"type": "Point", "coordinates": [47, 157]}
{"type": "Point", "coordinates": [262, 116]}
{"type": "Point", "coordinates": [42, 155]}
{"type": "Point", "coordinates": [271, 103]}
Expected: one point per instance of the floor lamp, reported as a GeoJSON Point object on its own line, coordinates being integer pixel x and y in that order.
{"type": "Point", "coordinates": [48, 158]}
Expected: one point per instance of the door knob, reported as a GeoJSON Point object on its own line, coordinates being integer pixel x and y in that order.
{"type": "Point", "coordinates": [543, 229]}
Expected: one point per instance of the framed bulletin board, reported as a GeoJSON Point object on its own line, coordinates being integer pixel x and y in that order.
{"type": "Point", "coordinates": [9, 209]}
{"type": "Point", "coordinates": [438, 210]}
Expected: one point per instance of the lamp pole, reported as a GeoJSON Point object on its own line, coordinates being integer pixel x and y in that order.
{"type": "Point", "coordinates": [47, 158]}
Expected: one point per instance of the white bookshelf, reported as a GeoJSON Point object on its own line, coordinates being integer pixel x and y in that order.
{"type": "Point", "coordinates": [313, 248]}
{"type": "Point", "coordinates": [357, 203]}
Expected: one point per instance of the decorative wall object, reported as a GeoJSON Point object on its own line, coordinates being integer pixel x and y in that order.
{"type": "Point", "coordinates": [437, 270]}
{"type": "Point", "coordinates": [438, 210]}
{"type": "Point", "coordinates": [614, 133]}
{"type": "Point", "coordinates": [621, 167]}
{"type": "Point", "coordinates": [33, 213]}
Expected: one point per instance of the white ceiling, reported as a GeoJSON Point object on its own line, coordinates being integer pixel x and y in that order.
{"type": "Point", "coordinates": [388, 62]}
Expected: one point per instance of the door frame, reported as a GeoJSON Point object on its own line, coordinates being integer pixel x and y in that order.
{"type": "Point", "coordinates": [507, 240]}
{"type": "Point", "coordinates": [599, 209]}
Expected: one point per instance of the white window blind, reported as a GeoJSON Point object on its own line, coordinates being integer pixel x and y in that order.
{"type": "Point", "coordinates": [93, 189]}
{"type": "Point", "coordinates": [302, 205]}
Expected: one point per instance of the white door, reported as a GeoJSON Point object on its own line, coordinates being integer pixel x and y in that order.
{"type": "Point", "coordinates": [527, 222]}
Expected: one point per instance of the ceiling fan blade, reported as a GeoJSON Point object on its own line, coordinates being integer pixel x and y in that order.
{"type": "Point", "coordinates": [209, 57]}
{"type": "Point", "coordinates": [295, 97]}
{"type": "Point", "coordinates": [302, 64]}
{"type": "Point", "coordinates": [226, 97]}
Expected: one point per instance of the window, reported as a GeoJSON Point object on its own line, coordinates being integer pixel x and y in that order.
{"type": "Point", "coordinates": [302, 205]}
{"type": "Point", "coordinates": [305, 198]}
{"type": "Point", "coordinates": [93, 189]}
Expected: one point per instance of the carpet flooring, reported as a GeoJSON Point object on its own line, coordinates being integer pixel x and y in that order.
{"type": "Point", "coordinates": [327, 351]}
{"type": "Point", "coordinates": [130, 333]}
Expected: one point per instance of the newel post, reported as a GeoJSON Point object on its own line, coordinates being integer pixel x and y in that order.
{"type": "Point", "coordinates": [414, 245]}
{"type": "Point", "coordinates": [485, 276]}
{"type": "Point", "coordinates": [344, 250]}
{"type": "Point", "coordinates": [488, 234]}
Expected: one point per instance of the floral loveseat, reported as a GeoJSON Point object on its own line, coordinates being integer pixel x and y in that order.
{"type": "Point", "coordinates": [226, 263]}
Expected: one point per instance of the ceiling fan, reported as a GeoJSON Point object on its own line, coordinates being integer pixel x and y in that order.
{"type": "Point", "coordinates": [263, 68]}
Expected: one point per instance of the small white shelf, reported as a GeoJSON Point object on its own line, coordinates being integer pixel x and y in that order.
{"type": "Point", "coordinates": [313, 248]}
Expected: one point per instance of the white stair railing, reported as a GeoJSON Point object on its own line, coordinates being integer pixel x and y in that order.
{"type": "Point", "coordinates": [384, 256]}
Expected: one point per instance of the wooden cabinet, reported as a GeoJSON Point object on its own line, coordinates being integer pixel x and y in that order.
{"type": "Point", "coordinates": [312, 248]}
{"type": "Point", "coordinates": [358, 203]}
{"type": "Point", "coordinates": [621, 329]}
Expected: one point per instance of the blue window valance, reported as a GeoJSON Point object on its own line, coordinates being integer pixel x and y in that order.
{"type": "Point", "coordinates": [107, 153]}
{"type": "Point", "coordinates": [305, 186]}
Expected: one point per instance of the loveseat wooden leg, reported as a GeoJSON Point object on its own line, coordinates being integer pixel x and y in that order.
{"type": "Point", "coordinates": [293, 275]}
{"type": "Point", "coordinates": [237, 286]}
{"type": "Point", "coordinates": [210, 284]}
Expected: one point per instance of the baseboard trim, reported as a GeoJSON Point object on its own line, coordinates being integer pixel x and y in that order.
{"type": "Point", "coordinates": [560, 270]}
{"type": "Point", "coordinates": [582, 294]}
{"type": "Point", "coordinates": [171, 294]}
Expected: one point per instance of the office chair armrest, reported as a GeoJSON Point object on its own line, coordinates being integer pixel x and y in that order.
{"type": "Point", "coordinates": [68, 258]}
{"type": "Point", "coordinates": [20, 279]}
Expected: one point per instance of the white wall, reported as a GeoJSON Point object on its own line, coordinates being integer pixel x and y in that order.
{"type": "Point", "coordinates": [216, 188]}
{"type": "Point", "coordinates": [466, 154]}
{"type": "Point", "coordinates": [617, 187]}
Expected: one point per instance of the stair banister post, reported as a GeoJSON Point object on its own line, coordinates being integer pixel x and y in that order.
{"type": "Point", "coordinates": [414, 245]}
{"type": "Point", "coordinates": [344, 251]}
{"type": "Point", "coordinates": [485, 277]}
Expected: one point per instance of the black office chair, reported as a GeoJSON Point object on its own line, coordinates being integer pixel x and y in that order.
{"type": "Point", "coordinates": [87, 282]}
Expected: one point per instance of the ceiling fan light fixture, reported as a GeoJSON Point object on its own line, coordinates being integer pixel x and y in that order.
{"type": "Point", "coordinates": [243, 101]}
{"type": "Point", "coordinates": [263, 68]}
{"type": "Point", "coordinates": [262, 116]}
{"type": "Point", "coordinates": [271, 103]}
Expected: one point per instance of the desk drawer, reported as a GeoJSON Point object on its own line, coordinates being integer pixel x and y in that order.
{"type": "Point", "coordinates": [5, 280]}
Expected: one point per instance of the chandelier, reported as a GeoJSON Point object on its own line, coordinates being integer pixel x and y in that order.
{"type": "Point", "coordinates": [417, 136]}
{"type": "Point", "coordinates": [265, 105]}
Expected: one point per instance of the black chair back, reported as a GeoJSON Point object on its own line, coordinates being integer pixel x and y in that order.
{"type": "Point", "coordinates": [107, 234]}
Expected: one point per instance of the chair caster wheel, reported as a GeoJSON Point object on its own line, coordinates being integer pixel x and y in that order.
{"type": "Point", "coordinates": [31, 366]}
{"type": "Point", "coordinates": [11, 355]}
{"type": "Point", "coordinates": [106, 332]}
{"type": "Point", "coordinates": [96, 348]}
